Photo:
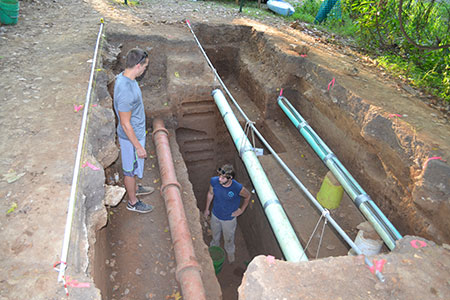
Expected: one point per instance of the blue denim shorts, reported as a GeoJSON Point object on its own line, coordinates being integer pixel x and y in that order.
{"type": "Point", "coordinates": [132, 165]}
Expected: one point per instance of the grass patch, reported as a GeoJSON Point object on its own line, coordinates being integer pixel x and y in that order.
{"type": "Point", "coordinates": [428, 80]}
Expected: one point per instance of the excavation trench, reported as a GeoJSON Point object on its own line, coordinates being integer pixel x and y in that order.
{"type": "Point", "coordinates": [133, 254]}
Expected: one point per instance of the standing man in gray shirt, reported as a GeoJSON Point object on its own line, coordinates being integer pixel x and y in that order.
{"type": "Point", "coordinates": [131, 128]}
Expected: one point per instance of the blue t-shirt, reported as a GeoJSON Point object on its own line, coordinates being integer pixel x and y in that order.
{"type": "Point", "coordinates": [226, 199]}
{"type": "Point", "coordinates": [128, 97]}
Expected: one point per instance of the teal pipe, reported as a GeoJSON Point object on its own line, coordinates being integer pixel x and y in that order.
{"type": "Point", "coordinates": [369, 209]}
{"type": "Point", "coordinates": [282, 228]}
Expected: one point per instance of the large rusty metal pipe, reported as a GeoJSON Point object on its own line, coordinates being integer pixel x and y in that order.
{"type": "Point", "coordinates": [188, 271]}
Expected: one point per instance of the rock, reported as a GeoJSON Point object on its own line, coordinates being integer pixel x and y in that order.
{"type": "Point", "coordinates": [112, 276]}
{"type": "Point", "coordinates": [352, 71]}
{"type": "Point", "coordinates": [101, 136]}
{"type": "Point", "coordinates": [429, 193]}
{"type": "Point", "coordinates": [410, 90]}
{"type": "Point", "coordinates": [331, 247]}
{"type": "Point", "coordinates": [113, 195]}
{"type": "Point", "coordinates": [300, 49]}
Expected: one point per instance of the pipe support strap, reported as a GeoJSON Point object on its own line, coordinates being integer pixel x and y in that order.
{"type": "Point", "coordinates": [329, 156]}
{"type": "Point", "coordinates": [361, 198]}
{"type": "Point", "coordinates": [302, 125]}
{"type": "Point", "coordinates": [242, 150]}
{"type": "Point", "coordinates": [270, 202]}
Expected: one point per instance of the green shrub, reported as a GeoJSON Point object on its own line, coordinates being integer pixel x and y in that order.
{"type": "Point", "coordinates": [375, 26]}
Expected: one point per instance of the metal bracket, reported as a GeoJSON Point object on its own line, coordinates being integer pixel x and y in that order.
{"type": "Point", "coordinates": [360, 199]}
{"type": "Point", "coordinates": [329, 156]}
{"type": "Point", "coordinates": [301, 125]}
{"type": "Point", "coordinates": [242, 150]}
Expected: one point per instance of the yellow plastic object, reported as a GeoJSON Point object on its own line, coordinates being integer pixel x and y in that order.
{"type": "Point", "coordinates": [330, 193]}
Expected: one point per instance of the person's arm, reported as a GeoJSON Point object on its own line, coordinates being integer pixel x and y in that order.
{"type": "Point", "coordinates": [209, 198]}
{"type": "Point", "coordinates": [246, 195]}
{"type": "Point", "coordinates": [125, 118]}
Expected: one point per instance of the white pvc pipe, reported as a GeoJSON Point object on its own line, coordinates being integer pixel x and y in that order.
{"type": "Point", "coordinates": [76, 169]}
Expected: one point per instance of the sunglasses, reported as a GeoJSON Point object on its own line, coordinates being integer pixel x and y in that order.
{"type": "Point", "coordinates": [144, 56]}
{"type": "Point", "coordinates": [222, 172]}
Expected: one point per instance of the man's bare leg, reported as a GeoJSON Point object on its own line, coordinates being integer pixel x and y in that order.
{"type": "Point", "coordinates": [130, 186]}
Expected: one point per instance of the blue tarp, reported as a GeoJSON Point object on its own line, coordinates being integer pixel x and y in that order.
{"type": "Point", "coordinates": [280, 7]}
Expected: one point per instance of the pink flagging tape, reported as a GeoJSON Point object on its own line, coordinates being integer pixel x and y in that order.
{"type": "Point", "coordinates": [94, 105]}
{"type": "Point", "coordinates": [77, 108]}
{"type": "Point", "coordinates": [88, 164]}
{"type": "Point", "coordinates": [418, 244]}
{"type": "Point", "coordinates": [431, 158]}
{"type": "Point", "coordinates": [270, 259]}
{"type": "Point", "coordinates": [377, 265]}
{"type": "Point", "coordinates": [331, 84]}
{"type": "Point", "coordinates": [76, 284]}
{"type": "Point", "coordinates": [394, 115]}
{"type": "Point", "coordinates": [189, 23]}
{"type": "Point", "coordinates": [281, 92]}
{"type": "Point", "coordinates": [303, 55]}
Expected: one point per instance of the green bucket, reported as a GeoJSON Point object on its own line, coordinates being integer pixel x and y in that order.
{"type": "Point", "coordinates": [218, 257]}
{"type": "Point", "coordinates": [9, 11]}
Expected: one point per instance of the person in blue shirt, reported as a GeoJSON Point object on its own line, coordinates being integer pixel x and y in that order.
{"type": "Point", "coordinates": [130, 112]}
{"type": "Point", "coordinates": [226, 193]}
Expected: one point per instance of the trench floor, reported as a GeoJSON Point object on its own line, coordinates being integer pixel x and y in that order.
{"type": "Point", "coordinates": [230, 276]}
{"type": "Point", "coordinates": [142, 263]}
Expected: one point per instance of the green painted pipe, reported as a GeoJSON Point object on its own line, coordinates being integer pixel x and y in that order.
{"type": "Point", "coordinates": [363, 201]}
{"type": "Point", "coordinates": [282, 228]}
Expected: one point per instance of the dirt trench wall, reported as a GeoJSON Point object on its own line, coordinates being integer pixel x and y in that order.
{"type": "Point", "coordinates": [90, 213]}
{"type": "Point", "coordinates": [385, 155]}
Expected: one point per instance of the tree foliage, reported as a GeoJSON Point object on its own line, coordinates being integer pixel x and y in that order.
{"type": "Point", "coordinates": [410, 36]}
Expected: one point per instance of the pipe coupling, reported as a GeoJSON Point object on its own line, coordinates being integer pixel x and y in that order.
{"type": "Point", "coordinates": [158, 130]}
{"type": "Point", "coordinates": [191, 264]}
{"type": "Point", "coordinates": [168, 184]}
{"type": "Point", "coordinates": [270, 202]}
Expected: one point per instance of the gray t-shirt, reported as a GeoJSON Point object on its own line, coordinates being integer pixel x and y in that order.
{"type": "Point", "coordinates": [128, 97]}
